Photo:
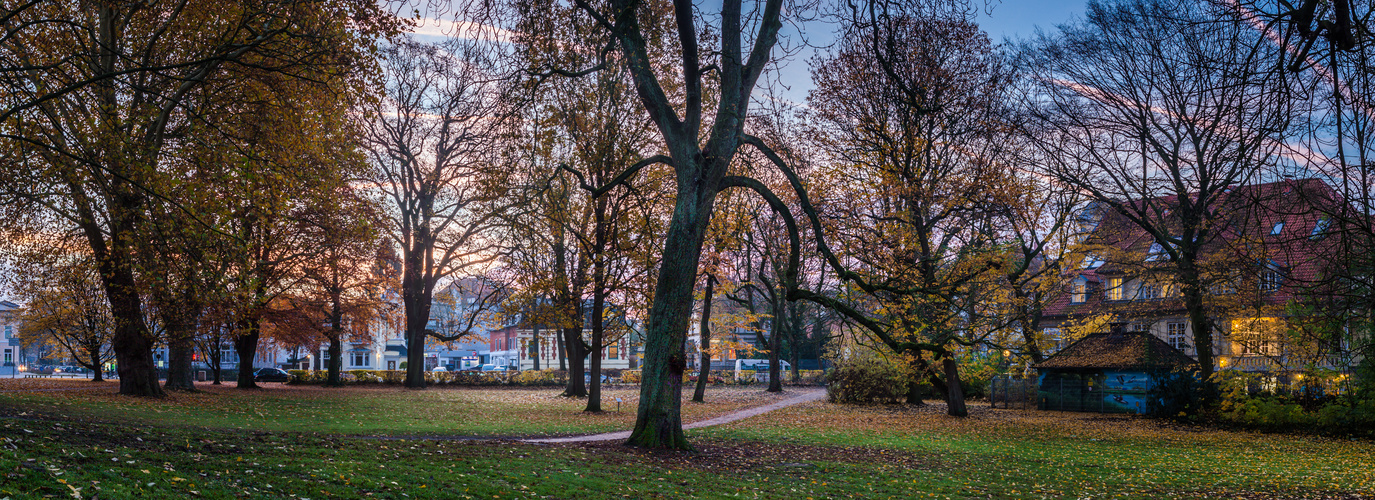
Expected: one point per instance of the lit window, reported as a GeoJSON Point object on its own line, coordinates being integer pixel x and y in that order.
{"type": "Point", "coordinates": [1275, 231]}
{"type": "Point", "coordinates": [1114, 291]}
{"type": "Point", "coordinates": [611, 352]}
{"type": "Point", "coordinates": [1175, 335]}
{"type": "Point", "coordinates": [1079, 292]}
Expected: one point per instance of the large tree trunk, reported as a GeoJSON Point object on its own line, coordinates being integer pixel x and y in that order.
{"type": "Point", "coordinates": [417, 296]}
{"type": "Point", "coordinates": [336, 344]}
{"type": "Point", "coordinates": [336, 360]}
{"type": "Point", "coordinates": [1203, 332]}
{"type": "Point", "coordinates": [577, 359]}
{"type": "Point", "coordinates": [246, 345]}
{"type": "Point", "coordinates": [658, 422]}
{"type": "Point", "coordinates": [594, 392]}
{"type": "Point", "coordinates": [704, 371]}
{"type": "Point", "coordinates": [93, 350]}
{"type": "Point", "coordinates": [415, 351]}
{"type": "Point", "coordinates": [954, 395]}
{"type": "Point", "coordinates": [594, 384]}
{"type": "Point", "coordinates": [180, 322]}
{"type": "Point", "coordinates": [132, 343]}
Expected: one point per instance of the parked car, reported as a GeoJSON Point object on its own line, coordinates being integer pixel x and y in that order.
{"type": "Point", "coordinates": [440, 368]}
{"type": "Point", "coordinates": [271, 375]}
{"type": "Point", "coordinates": [493, 368]}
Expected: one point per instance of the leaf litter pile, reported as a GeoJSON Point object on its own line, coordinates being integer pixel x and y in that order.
{"type": "Point", "coordinates": [813, 450]}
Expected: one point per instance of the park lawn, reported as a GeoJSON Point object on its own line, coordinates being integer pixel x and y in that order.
{"type": "Point", "coordinates": [1062, 454]}
{"type": "Point", "coordinates": [814, 450]}
{"type": "Point", "coordinates": [373, 410]}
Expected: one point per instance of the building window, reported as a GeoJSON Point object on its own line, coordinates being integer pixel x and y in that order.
{"type": "Point", "coordinates": [612, 352]}
{"type": "Point", "coordinates": [1114, 291]}
{"type": "Point", "coordinates": [9, 357]}
{"type": "Point", "coordinates": [1275, 231]}
{"type": "Point", "coordinates": [1320, 229]}
{"type": "Point", "coordinates": [1053, 339]}
{"type": "Point", "coordinates": [1150, 291]}
{"type": "Point", "coordinates": [361, 359]}
{"type": "Point", "coordinates": [1175, 335]}
{"type": "Point", "coordinates": [1078, 292]}
{"type": "Point", "coordinates": [1091, 262]}
{"type": "Point", "coordinates": [1270, 280]}
{"type": "Point", "coordinates": [9, 332]}
{"type": "Point", "coordinates": [1157, 252]}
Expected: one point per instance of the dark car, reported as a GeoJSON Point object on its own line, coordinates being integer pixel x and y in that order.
{"type": "Point", "coordinates": [271, 375]}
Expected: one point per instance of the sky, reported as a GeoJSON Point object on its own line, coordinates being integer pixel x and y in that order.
{"type": "Point", "coordinates": [1009, 20]}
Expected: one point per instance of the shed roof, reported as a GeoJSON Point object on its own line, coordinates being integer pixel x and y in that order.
{"type": "Point", "coordinates": [1121, 350]}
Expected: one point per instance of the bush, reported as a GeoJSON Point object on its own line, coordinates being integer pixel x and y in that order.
{"type": "Point", "coordinates": [745, 377]}
{"type": "Point", "coordinates": [866, 382]}
{"type": "Point", "coordinates": [630, 376]}
{"type": "Point", "coordinates": [535, 378]}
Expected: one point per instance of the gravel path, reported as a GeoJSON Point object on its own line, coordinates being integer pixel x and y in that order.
{"type": "Point", "coordinates": [804, 397]}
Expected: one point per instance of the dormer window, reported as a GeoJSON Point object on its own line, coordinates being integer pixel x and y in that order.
{"type": "Point", "coordinates": [1079, 291]}
{"type": "Point", "coordinates": [1156, 253]}
{"type": "Point", "coordinates": [1275, 231]}
{"type": "Point", "coordinates": [1320, 229]}
{"type": "Point", "coordinates": [1091, 261]}
{"type": "Point", "coordinates": [1114, 290]}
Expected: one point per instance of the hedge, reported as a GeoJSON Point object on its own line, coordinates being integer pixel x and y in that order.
{"type": "Point", "coordinates": [530, 378]}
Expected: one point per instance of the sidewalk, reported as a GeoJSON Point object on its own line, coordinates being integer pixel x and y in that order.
{"type": "Point", "coordinates": [805, 397]}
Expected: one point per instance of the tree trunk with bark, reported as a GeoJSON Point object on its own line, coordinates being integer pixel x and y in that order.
{"type": "Point", "coordinates": [180, 322]}
{"type": "Point", "coordinates": [658, 421]}
{"type": "Point", "coordinates": [954, 398]}
{"type": "Point", "coordinates": [246, 345]}
{"type": "Point", "coordinates": [704, 371]}
{"type": "Point", "coordinates": [776, 342]}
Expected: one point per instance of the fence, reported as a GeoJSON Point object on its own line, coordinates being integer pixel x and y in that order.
{"type": "Point", "coordinates": [1089, 396]}
{"type": "Point", "coordinates": [1007, 392]}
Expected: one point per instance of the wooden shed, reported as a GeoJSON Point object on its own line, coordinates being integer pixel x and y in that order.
{"type": "Point", "coordinates": [1109, 372]}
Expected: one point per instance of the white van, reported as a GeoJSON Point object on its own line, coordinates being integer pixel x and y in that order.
{"type": "Point", "coordinates": [759, 365]}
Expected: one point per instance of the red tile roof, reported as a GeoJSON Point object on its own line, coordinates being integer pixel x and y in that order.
{"type": "Point", "coordinates": [1247, 215]}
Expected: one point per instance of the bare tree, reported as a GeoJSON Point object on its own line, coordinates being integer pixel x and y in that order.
{"type": "Point", "coordinates": [1157, 108]}
{"type": "Point", "coordinates": [435, 139]}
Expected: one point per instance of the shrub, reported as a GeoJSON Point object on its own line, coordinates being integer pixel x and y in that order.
{"type": "Point", "coordinates": [807, 377]}
{"type": "Point", "coordinates": [745, 377]}
{"type": "Point", "coordinates": [630, 376]}
{"type": "Point", "coordinates": [866, 382]}
{"type": "Point", "coordinates": [540, 378]}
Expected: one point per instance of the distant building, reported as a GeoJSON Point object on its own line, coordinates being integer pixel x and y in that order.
{"type": "Point", "coordinates": [13, 352]}
{"type": "Point", "coordinates": [1273, 248]}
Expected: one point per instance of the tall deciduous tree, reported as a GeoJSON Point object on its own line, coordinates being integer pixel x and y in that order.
{"type": "Point", "coordinates": [94, 94]}
{"type": "Point", "coordinates": [436, 140]}
{"type": "Point", "coordinates": [1157, 108]}
{"type": "Point", "coordinates": [67, 307]}
{"type": "Point", "coordinates": [700, 146]}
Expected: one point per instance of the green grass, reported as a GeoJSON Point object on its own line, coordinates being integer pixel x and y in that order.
{"type": "Point", "coordinates": [376, 410]}
{"type": "Point", "coordinates": [125, 448]}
